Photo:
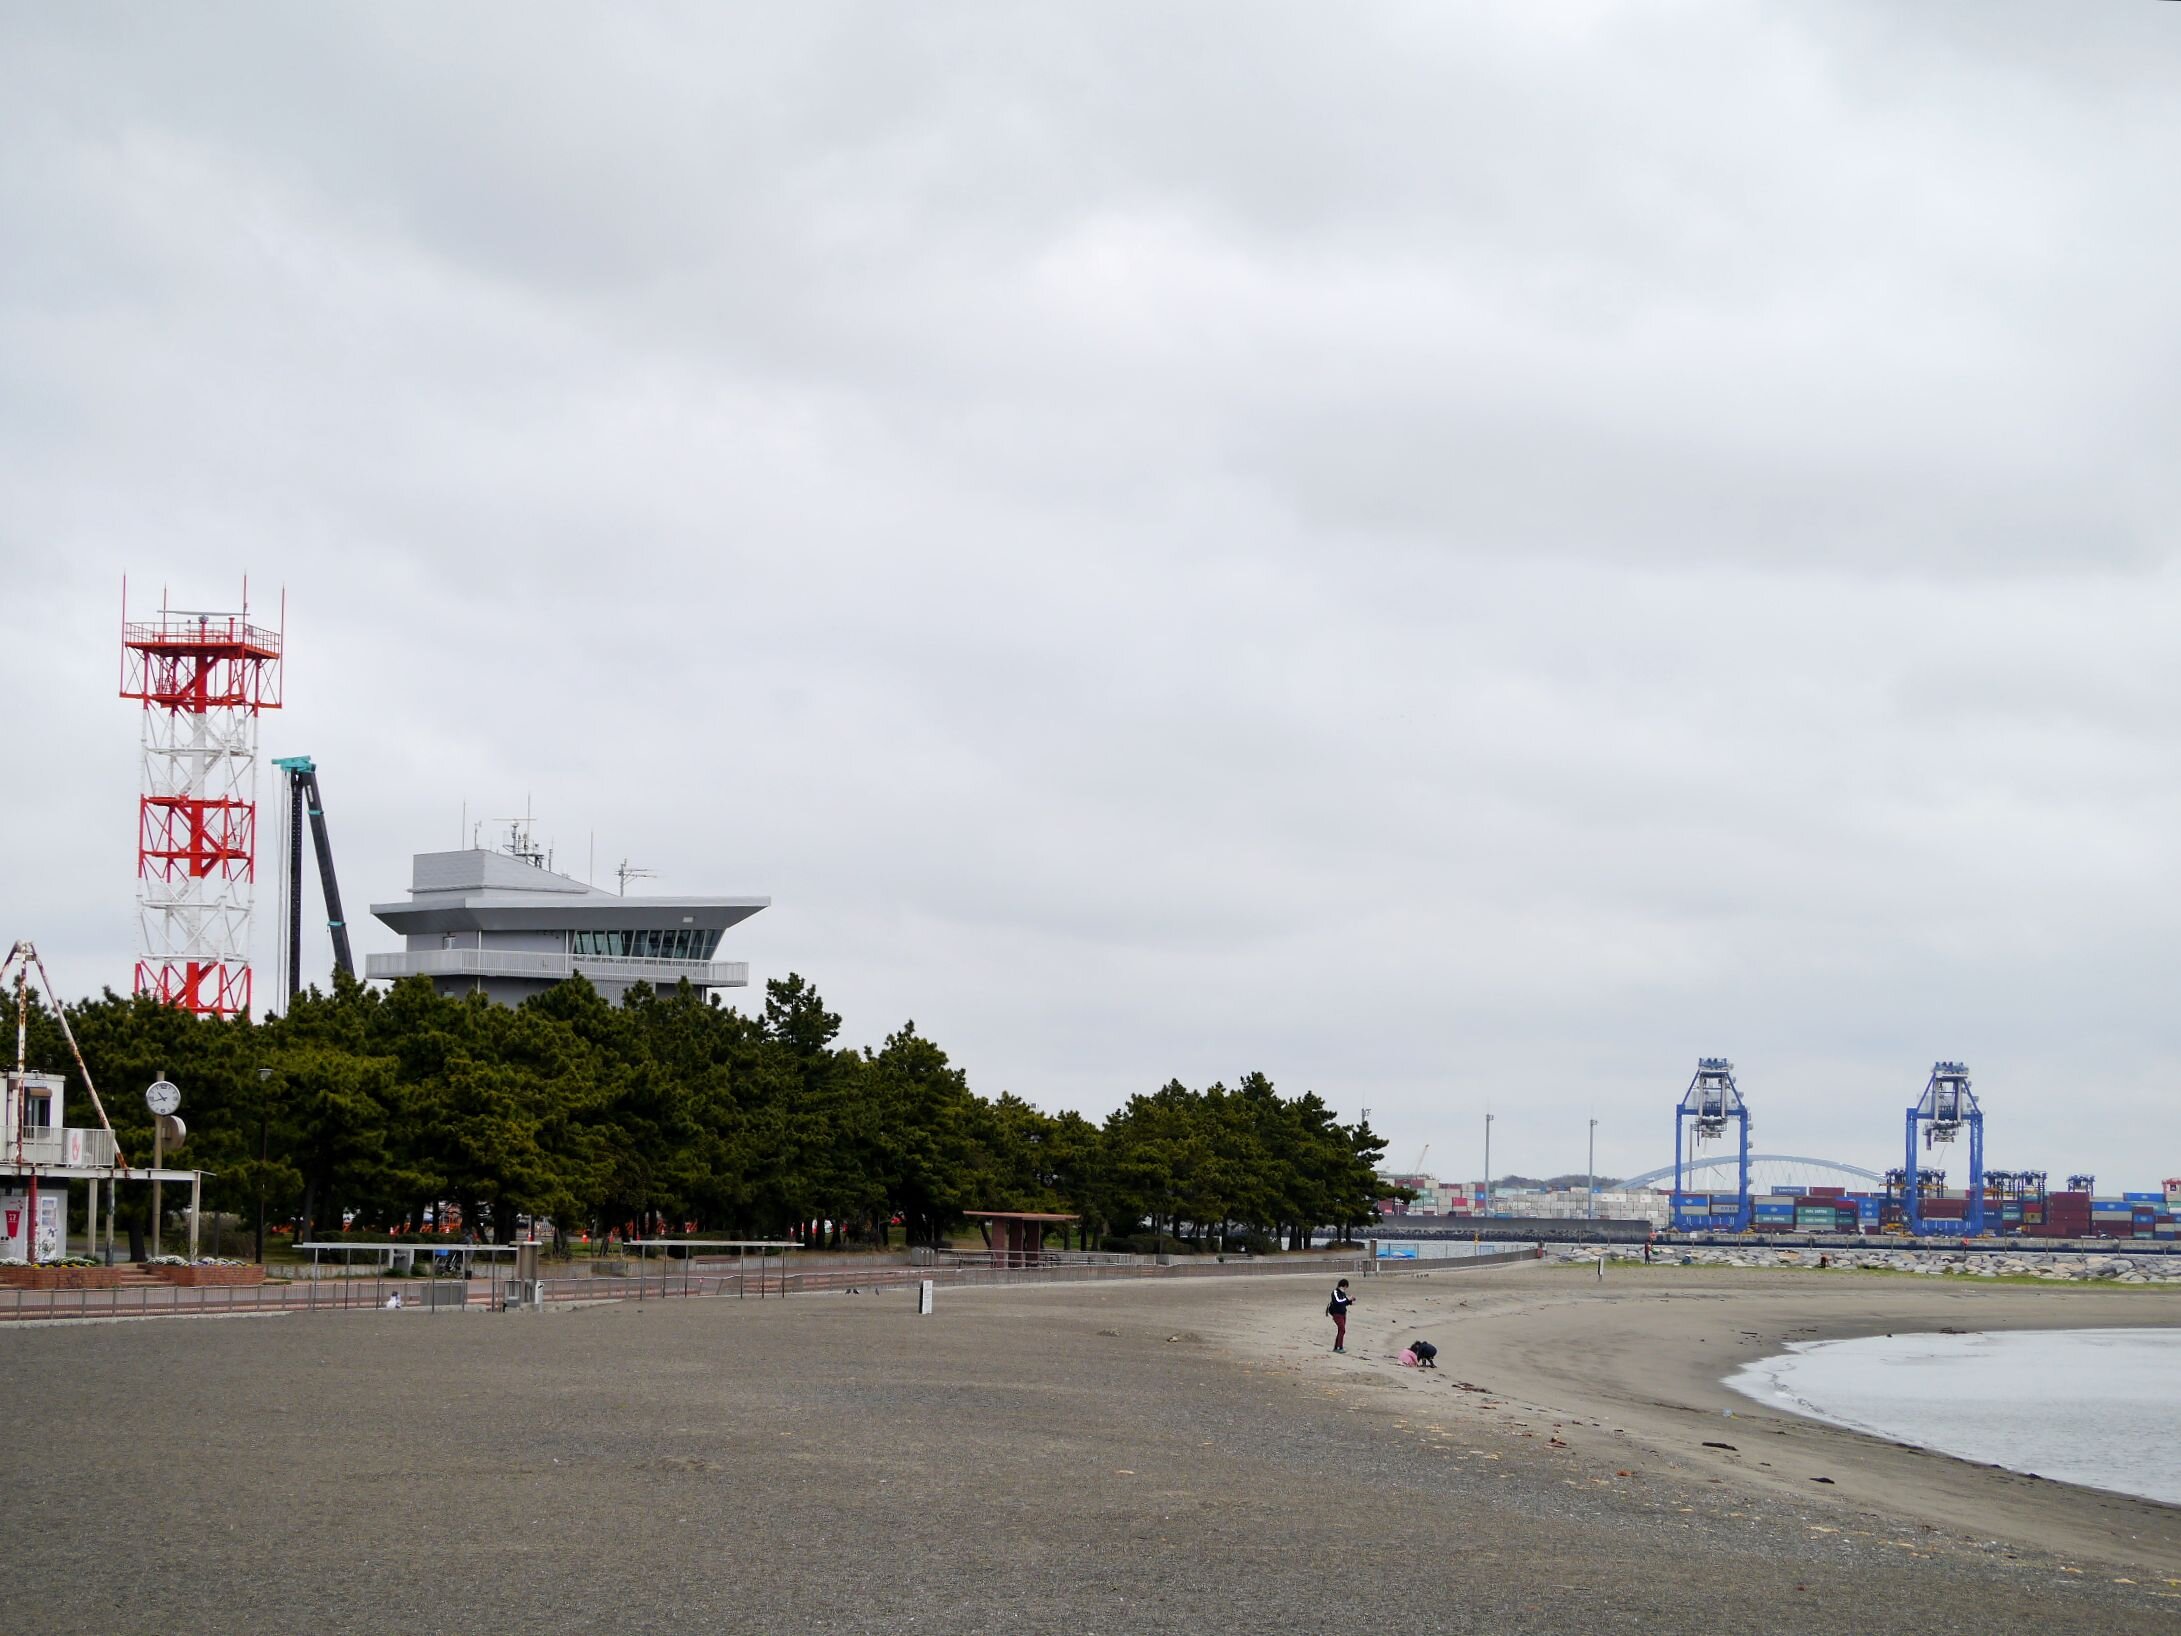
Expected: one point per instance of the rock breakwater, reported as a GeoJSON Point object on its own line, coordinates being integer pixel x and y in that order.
{"type": "Point", "coordinates": [2054, 1267]}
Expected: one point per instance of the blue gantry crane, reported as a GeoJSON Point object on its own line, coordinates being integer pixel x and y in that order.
{"type": "Point", "coordinates": [1711, 1103]}
{"type": "Point", "coordinates": [1947, 1105]}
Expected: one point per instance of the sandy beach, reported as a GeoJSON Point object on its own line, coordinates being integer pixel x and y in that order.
{"type": "Point", "coordinates": [1180, 1456]}
{"type": "Point", "coordinates": [1632, 1368]}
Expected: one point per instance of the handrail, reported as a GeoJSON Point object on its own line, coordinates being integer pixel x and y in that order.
{"type": "Point", "coordinates": [544, 963]}
{"type": "Point", "coordinates": [48, 1145]}
{"type": "Point", "coordinates": [175, 627]}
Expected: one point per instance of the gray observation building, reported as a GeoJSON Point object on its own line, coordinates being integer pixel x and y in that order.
{"type": "Point", "coordinates": [503, 925]}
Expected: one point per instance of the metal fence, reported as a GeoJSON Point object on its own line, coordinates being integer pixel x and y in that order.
{"type": "Point", "coordinates": [304, 1295]}
{"type": "Point", "coordinates": [757, 1280]}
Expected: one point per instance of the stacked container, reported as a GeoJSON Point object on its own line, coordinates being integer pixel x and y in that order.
{"type": "Point", "coordinates": [2112, 1218]}
{"type": "Point", "coordinates": [2067, 1215]}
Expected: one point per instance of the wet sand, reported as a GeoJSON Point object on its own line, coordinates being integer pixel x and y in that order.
{"type": "Point", "coordinates": [1119, 1458]}
{"type": "Point", "coordinates": [1631, 1369]}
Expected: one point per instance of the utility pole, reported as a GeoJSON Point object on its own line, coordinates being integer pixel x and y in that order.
{"type": "Point", "coordinates": [1590, 1203]}
{"type": "Point", "coordinates": [1488, 1165]}
{"type": "Point", "coordinates": [263, 1150]}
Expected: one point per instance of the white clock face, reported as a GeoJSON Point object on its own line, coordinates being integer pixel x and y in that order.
{"type": "Point", "coordinates": [162, 1096]}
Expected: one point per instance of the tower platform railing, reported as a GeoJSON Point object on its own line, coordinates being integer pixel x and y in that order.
{"type": "Point", "coordinates": [554, 967]}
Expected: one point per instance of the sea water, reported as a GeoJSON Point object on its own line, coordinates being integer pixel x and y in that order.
{"type": "Point", "coordinates": [2101, 1407]}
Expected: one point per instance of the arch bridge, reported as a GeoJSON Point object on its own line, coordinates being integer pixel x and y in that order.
{"type": "Point", "coordinates": [1772, 1169]}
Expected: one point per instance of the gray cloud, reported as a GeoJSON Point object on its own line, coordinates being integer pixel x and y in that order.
{"type": "Point", "coordinates": [1456, 557]}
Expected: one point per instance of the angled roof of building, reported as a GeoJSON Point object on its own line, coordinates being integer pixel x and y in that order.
{"type": "Point", "coordinates": [480, 890]}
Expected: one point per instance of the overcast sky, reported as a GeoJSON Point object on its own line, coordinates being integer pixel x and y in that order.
{"type": "Point", "coordinates": [1459, 555]}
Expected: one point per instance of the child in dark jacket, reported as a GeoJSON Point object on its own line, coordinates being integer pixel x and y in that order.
{"type": "Point", "coordinates": [1337, 1310]}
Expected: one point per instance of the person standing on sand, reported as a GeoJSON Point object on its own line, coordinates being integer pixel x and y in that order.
{"type": "Point", "coordinates": [1337, 1310]}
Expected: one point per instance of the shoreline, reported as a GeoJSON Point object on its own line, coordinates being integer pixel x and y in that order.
{"type": "Point", "coordinates": [1777, 1381]}
{"type": "Point", "coordinates": [1629, 1374]}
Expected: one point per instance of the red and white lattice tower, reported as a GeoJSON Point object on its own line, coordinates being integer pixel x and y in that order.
{"type": "Point", "coordinates": [202, 679]}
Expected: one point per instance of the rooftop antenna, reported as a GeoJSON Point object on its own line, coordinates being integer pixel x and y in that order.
{"type": "Point", "coordinates": [519, 843]}
{"type": "Point", "coordinates": [629, 872]}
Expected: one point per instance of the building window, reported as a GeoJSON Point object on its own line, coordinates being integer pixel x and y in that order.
{"type": "Point", "coordinates": [683, 943]}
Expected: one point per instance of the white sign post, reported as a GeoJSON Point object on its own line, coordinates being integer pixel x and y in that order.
{"type": "Point", "coordinates": [925, 1290]}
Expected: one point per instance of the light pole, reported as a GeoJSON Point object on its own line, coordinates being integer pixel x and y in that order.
{"type": "Point", "coordinates": [1488, 1166]}
{"type": "Point", "coordinates": [263, 1074]}
{"type": "Point", "coordinates": [1590, 1178]}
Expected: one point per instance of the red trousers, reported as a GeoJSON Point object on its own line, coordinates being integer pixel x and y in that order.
{"type": "Point", "coordinates": [1340, 1329]}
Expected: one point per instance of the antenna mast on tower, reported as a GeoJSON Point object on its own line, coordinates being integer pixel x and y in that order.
{"type": "Point", "coordinates": [202, 679]}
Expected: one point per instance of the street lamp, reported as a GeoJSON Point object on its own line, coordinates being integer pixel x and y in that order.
{"type": "Point", "coordinates": [263, 1074]}
{"type": "Point", "coordinates": [1488, 1166]}
{"type": "Point", "coordinates": [1590, 1204]}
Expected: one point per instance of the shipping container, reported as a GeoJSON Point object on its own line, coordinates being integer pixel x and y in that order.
{"type": "Point", "coordinates": [2144, 1198]}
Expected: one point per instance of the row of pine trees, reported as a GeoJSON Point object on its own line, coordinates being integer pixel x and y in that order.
{"type": "Point", "coordinates": [372, 1109]}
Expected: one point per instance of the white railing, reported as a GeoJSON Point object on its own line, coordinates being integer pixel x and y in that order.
{"type": "Point", "coordinates": [553, 967]}
{"type": "Point", "coordinates": [51, 1145]}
